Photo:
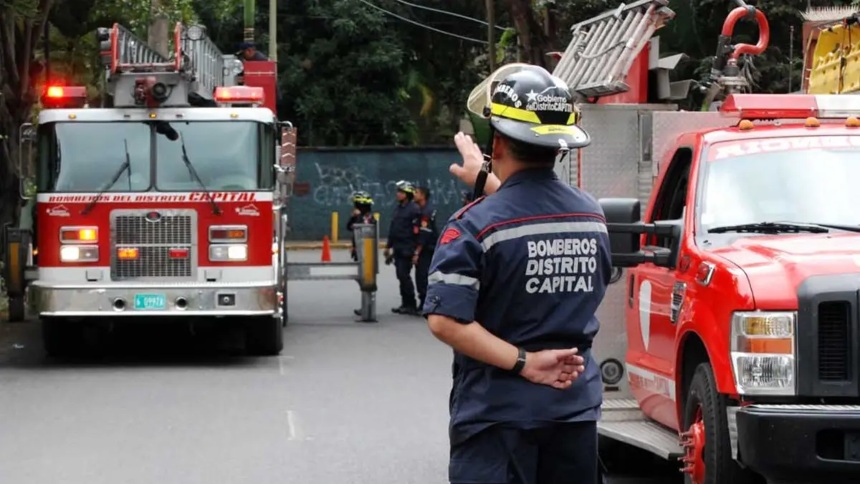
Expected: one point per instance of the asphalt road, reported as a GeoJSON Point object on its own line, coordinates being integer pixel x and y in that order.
{"type": "Point", "coordinates": [344, 403]}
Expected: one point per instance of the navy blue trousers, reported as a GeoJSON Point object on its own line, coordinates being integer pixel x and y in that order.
{"type": "Point", "coordinates": [564, 453]}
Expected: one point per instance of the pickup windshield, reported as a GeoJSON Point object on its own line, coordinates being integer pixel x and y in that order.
{"type": "Point", "coordinates": [84, 156]}
{"type": "Point", "coordinates": [811, 182]}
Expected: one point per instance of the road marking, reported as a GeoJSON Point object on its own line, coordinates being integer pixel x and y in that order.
{"type": "Point", "coordinates": [291, 425]}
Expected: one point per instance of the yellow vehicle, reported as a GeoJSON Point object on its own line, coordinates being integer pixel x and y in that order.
{"type": "Point", "coordinates": [831, 39]}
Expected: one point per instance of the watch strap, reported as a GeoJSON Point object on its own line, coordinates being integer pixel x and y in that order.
{"type": "Point", "coordinates": [521, 361]}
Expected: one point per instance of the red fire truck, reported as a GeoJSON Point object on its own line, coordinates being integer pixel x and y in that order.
{"type": "Point", "coordinates": [729, 333]}
{"type": "Point", "coordinates": [168, 203]}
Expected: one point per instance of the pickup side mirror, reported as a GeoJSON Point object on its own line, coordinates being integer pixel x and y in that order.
{"type": "Point", "coordinates": [625, 227]}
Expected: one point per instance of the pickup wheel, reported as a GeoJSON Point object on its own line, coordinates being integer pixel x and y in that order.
{"type": "Point", "coordinates": [264, 336]}
{"type": "Point", "coordinates": [708, 458]}
{"type": "Point", "coordinates": [17, 309]}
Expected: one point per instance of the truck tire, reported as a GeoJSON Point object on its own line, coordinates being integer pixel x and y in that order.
{"type": "Point", "coordinates": [17, 309]}
{"type": "Point", "coordinates": [264, 336]}
{"type": "Point", "coordinates": [709, 451]}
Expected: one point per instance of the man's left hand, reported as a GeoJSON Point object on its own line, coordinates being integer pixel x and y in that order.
{"type": "Point", "coordinates": [415, 260]}
{"type": "Point", "coordinates": [555, 368]}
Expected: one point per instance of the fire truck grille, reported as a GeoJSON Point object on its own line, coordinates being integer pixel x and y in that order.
{"type": "Point", "coordinates": [165, 241]}
{"type": "Point", "coordinates": [834, 340]}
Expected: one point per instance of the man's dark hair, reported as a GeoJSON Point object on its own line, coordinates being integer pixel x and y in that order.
{"type": "Point", "coordinates": [531, 154]}
{"type": "Point", "coordinates": [424, 191]}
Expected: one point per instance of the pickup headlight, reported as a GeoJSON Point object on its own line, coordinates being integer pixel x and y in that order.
{"type": "Point", "coordinates": [763, 352]}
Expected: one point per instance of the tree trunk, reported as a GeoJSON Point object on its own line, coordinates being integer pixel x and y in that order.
{"type": "Point", "coordinates": [533, 40]}
{"type": "Point", "coordinates": [159, 29]}
{"type": "Point", "coordinates": [18, 76]}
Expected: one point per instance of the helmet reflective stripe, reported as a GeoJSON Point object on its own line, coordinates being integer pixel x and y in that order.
{"type": "Point", "coordinates": [524, 115]}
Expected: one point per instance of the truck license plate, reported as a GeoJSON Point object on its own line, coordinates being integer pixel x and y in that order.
{"type": "Point", "coordinates": [150, 302]}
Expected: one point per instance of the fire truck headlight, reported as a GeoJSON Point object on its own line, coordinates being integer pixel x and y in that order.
{"type": "Point", "coordinates": [79, 253]}
{"type": "Point", "coordinates": [763, 352]}
{"type": "Point", "coordinates": [234, 252]}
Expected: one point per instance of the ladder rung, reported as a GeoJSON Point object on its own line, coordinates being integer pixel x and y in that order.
{"type": "Point", "coordinates": [603, 48]}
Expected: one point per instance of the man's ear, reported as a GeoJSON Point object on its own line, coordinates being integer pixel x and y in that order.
{"type": "Point", "coordinates": [499, 146]}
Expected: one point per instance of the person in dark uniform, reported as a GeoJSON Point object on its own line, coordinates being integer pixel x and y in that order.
{"type": "Point", "coordinates": [402, 240]}
{"type": "Point", "coordinates": [425, 224]}
{"type": "Point", "coordinates": [362, 213]}
{"type": "Point", "coordinates": [467, 197]}
{"type": "Point", "coordinates": [514, 286]}
{"type": "Point", "coordinates": [248, 52]}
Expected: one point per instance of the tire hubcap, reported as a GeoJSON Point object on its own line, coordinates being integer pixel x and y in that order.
{"type": "Point", "coordinates": [693, 441]}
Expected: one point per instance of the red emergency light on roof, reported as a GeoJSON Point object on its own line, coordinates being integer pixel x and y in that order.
{"type": "Point", "coordinates": [239, 94]}
{"type": "Point", "coordinates": [791, 106]}
{"type": "Point", "coordinates": [65, 96]}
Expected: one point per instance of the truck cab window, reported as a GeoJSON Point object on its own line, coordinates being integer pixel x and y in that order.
{"type": "Point", "coordinates": [672, 194]}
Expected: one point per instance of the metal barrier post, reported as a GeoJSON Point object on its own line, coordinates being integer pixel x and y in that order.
{"type": "Point", "coordinates": [367, 245]}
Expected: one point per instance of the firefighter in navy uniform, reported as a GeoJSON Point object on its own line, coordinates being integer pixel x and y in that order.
{"type": "Point", "coordinates": [362, 213]}
{"type": "Point", "coordinates": [402, 240]}
{"type": "Point", "coordinates": [425, 226]}
{"type": "Point", "coordinates": [514, 286]}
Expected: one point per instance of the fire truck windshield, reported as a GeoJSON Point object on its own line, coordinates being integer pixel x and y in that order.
{"type": "Point", "coordinates": [84, 156]}
{"type": "Point", "coordinates": [801, 185]}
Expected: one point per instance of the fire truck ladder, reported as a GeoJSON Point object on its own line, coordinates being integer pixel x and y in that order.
{"type": "Point", "coordinates": [199, 63]}
{"type": "Point", "coordinates": [603, 48]}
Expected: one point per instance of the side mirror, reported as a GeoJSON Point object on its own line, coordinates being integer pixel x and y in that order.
{"type": "Point", "coordinates": [26, 140]}
{"type": "Point", "coordinates": [625, 228]}
{"type": "Point", "coordinates": [622, 211]}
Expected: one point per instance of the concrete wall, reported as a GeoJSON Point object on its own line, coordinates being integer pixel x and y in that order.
{"type": "Point", "coordinates": [327, 177]}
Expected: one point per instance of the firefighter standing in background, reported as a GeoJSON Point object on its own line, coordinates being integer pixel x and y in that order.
{"type": "Point", "coordinates": [401, 244]}
{"type": "Point", "coordinates": [514, 286]}
{"type": "Point", "coordinates": [428, 234]}
{"type": "Point", "coordinates": [362, 213]}
{"type": "Point", "coordinates": [467, 197]}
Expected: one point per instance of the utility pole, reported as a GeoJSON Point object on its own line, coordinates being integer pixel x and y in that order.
{"type": "Point", "coordinates": [491, 32]}
{"type": "Point", "coordinates": [250, 16]}
{"type": "Point", "coordinates": [273, 30]}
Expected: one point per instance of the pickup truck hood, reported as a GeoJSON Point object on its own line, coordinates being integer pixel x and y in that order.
{"type": "Point", "coordinates": [776, 265]}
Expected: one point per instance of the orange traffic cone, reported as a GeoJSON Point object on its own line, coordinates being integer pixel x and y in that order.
{"type": "Point", "coordinates": [326, 250]}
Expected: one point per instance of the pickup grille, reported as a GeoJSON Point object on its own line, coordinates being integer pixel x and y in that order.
{"type": "Point", "coordinates": [834, 340]}
{"type": "Point", "coordinates": [175, 229]}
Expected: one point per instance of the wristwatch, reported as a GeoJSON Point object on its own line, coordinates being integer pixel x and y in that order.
{"type": "Point", "coordinates": [521, 361]}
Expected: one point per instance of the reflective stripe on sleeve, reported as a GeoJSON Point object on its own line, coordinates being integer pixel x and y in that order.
{"type": "Point", "coordinates": [453, 279]}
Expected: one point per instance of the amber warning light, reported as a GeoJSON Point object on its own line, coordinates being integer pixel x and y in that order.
{"type": "Point", "coordinates": [65, 97]}
{"type": "Point", "coordinates": [239, 95]}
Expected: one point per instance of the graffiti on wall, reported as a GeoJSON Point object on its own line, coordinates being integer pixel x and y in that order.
{"type": "Point", "coordinates": [336, 185]}
{"type": "Point", "coordinates": [326, 180]}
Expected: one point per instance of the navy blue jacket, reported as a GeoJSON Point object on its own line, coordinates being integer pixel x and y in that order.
{"type": "Point", "coordinates": [428, 233]}
{"type": "Point", "coordinates": [531, 264]}
{"type": "Point", "coordinates": [402, 236]}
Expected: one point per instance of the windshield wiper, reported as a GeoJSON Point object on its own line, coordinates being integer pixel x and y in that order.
{"type": "Point", "coordinates": [215, 209]}
{"type": "Point", "coordinates": [771, 227]}
{"type": "Point", "coordinates": [126, 166]}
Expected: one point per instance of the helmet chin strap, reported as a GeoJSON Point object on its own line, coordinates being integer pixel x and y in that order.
{"type": "Point", "coordinates": [487, 166]}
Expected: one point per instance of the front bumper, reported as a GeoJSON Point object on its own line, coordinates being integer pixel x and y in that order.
{"type": "Point", "coordinates": [246, 299]}
{"type": "Point", "coordinates": [801, 443]}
